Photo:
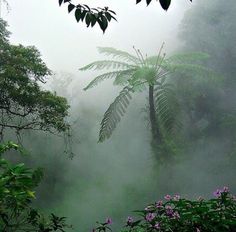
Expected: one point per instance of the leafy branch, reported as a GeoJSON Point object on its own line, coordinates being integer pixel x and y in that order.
{"type": "Point", "coordinates": [91, 16]}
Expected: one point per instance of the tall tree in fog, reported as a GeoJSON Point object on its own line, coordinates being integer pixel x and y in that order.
{"type": "Point", "coordinates": [209, 26]}
{"type": "Point", "coordinates": [23, 103]}
{"type": "Point", "coordinates": [138, 73]}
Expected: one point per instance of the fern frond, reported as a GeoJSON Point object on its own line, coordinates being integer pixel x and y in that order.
{"type": "Point", "coordinates": [190, 69]}
{"type": "Point", "coordinates": [114, 113]}
{"type": "Point", "coordinates": [124, 76]}
{"type": "Point", "coordinates": [115, 53]}
{"type": "Point", "coordinates": [104, 76]}
{"type": "Point", "coordinates": [106, 64]}
{"type": "Point", "coordinates": [166, 107]}
{"type": "Point", "coordinates": [188, 57]}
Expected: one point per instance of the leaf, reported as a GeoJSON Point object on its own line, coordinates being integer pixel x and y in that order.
{"type": "Point", "coordinates": [88, 19]}
{"type": "Point", "coordinates": [70, 7]}
{"type": "Point", "coordinates": [114, 113]}
{"type": "Point", "coordinates": [78, 14]}
{"type": "Point", "coordinates": [148, 2]}
{"type": "Point", "coordinates": [103, 23]}
{"type": "Point", "coordinates": [108, 15]}
{"type": "Point", "coordinates": [115, 53]}
{"type": "Point", "coordinates": [165, 4]}
{"type": "Point", "coordinates": [60, 2]}
{"type": "Point", "coordinates": [106, 64]}
{"type": "Point", "coordinates": [103, 77]}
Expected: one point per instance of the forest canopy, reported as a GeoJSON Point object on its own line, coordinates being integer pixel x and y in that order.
{"type": "Point", "coordinates": [23, 103]}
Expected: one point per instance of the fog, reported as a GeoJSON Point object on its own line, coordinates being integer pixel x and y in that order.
{"type": "Point", "coordinates": [117, 176]}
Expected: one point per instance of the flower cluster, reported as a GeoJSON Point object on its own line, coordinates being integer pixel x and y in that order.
{"type": "Point", "coordinates": [178, 214]}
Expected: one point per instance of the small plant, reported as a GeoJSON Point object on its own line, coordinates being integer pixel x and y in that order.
{"type": "Point", "coordinates": [17, 190]}
{"type": "Point", "coordinates": [181, 215]}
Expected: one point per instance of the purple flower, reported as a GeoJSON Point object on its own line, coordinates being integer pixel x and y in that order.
{"type": "Point", "coordinates": [159, 204]}
{"type": "Point", "coordinates": [176, 215]}
{"type": "Point", "coordinates": [176, 197]}
{"type": "Point", "coordinates": [150, 216]}
{"type": "Point", "coordinates": [167, 197]}
{"type": "Point", "coordinates": [169, 210]}
{"type": "Point", "coordinates": [217, 193]}
{"type": "Point", "coordinates": [129, 220]}
{"type": "Point", "coordinates": [108, 221]}
{"type": "Point", "coordinates": [226, 189]}
{"type": "Point", "coordinates": [157, 226]}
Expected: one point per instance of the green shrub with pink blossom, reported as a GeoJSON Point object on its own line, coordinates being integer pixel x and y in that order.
{"type": "Point", "coordinates": [176, 214]}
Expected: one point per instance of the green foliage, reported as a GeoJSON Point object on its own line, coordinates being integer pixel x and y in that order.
{"type": "Point", "coordinates": [23, 103]}
{"type": "Point", "coordinates": [91, 16]}
{"type": "Point", "coordinates": [102, 16]}
{"type": "Point", "coordinates": [17, 190]}
{"type": "Point", "coordinates": [114, 113]}
{"type": "Point", "coordinates": [183, 215]}
{"type": "Point", "coordinates": [135, 72]}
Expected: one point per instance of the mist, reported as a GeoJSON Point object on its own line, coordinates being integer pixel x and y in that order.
{"type": "Point", "coordinates": [120, 175]}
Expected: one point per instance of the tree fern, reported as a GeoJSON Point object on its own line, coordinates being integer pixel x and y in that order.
{"type": "Point", "coordinates": [120, 76]}
{"type": "Point", "coordinates": [109, 51]}
{"type": "Point", "coordinates": [114, 113]}
{"type": "Point", "coordinates": [106, 64]}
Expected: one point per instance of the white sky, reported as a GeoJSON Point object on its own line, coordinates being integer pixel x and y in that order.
{"type": "Point", "coordinates": [66, 45]}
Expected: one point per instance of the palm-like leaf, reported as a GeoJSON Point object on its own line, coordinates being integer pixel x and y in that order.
{"type": "Point", "coordinates": [166, 107]}
{"type": "Point", "coordinates": [106, 64]}
{"type": "Point", "coordinates": [114, 113]}
{"type": "Point", "coordinates": [109, 51]}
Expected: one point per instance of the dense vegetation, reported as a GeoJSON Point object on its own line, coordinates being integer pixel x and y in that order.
{"type": "Point", "coordinates": [188, 101]}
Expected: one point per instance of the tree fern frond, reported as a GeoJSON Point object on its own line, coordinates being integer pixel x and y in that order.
{"type": "Point", "coordinates": [119, 54]}
{"type": "Point", "coordinates": [154, 60]}
{"type": "Point", "coordinates": [114, 113]}
{"type": "Point", "coordinates": [123, 77]}
{"type": "Point", "coordinates": [190, 70]}
{"type": "Point", "coordinates": [166, 107]}
{"type": "Point", "coordinates": [106, 64]}
{"type": "Point", "coordinates": [188, 57]}
{"type": "Point", "coordinates": [104, 76]}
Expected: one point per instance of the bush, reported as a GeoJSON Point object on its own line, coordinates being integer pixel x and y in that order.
{"type": "Point", "coordinates": [177, 214]}
{"type": "Point", "coordinates": [17, 184]}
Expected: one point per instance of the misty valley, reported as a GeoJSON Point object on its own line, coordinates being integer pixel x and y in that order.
{"type": "Point", "coordinates": [119, 118]}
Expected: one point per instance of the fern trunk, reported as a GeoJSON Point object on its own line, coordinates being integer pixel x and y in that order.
{"type": "Point", "coordinates": [156, 134]}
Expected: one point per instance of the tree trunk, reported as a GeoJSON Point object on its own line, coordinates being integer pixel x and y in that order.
{"type": "Point", "coordinates": [156, 135]}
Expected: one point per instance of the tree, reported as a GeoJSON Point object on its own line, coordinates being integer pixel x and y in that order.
{"type": "Point", "coordinates": [136, 73]}
{"type": "Point", "coordinates": [17, 190]}
{"type": "Point", "coordinates": [23, 103]}
{"type": "Point", "coordinates": [102, 16]}
{"type": "Point", "coordinates": [214, 104]}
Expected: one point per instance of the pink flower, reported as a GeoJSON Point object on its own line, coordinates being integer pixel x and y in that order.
{"type": "Point", "coordinates": [176, 197]}
{"type": "Point", "coordinates": [157, 226]}
{"type": "Point", "coordinates": [226, 189]}
{"type": "Point", "coordinates": [198, 230]}
{"type": "Point", "coordinates": [167, 197]}
{"type": "Point", "coordinates": [129, 220]}
{"type": "Point", "coordinates": [159, 204]}
{"type": "Point", "coordinates": [217, 193]}
{"type": "Point", "coordinates": [108, 221]}
{"type": "Point", "coordinates": [150, 216]}
{"type": "Point", "coordinates": [169, 210]}
{"type": "Point", "coordinates": [176, 215]}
